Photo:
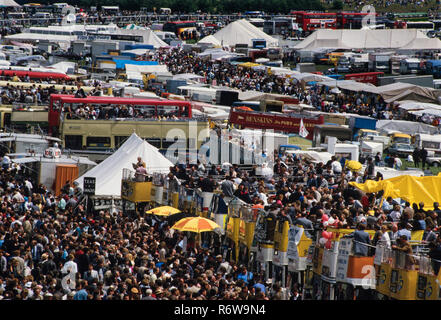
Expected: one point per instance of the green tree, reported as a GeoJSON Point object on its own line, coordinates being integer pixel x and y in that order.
{"type": "Point", "coordinates": [337, 5]}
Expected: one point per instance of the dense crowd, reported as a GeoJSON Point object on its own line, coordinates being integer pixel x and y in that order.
{"type": "Point", "coordinates": [52, 247]}
{"type": "Point", "coordinates": [223, 73]}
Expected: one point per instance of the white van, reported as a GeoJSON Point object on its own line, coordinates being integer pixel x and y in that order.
{"type": "Point", "coordinates": [432, 143]}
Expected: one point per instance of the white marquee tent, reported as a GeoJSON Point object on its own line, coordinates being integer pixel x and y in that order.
{"type": "Point", "coordinates": [108, 173]}
{"type": "Point", "coordinates": [210, 40]}
{"type": "Point", "coordinates": [242, 31]}
{"type": "Point", "coordinates": [407, 39]}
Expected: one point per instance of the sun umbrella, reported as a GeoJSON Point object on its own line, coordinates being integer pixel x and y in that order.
{"type": "Point", "coordinates": [164, 211]}
{"type": "Point", "coordinates": [353, 165]}
{"type": "Point", "coordinates": [195, 224]}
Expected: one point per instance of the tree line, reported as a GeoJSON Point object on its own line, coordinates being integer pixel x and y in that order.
{"type": "Point", "coordinates": [207, 6]}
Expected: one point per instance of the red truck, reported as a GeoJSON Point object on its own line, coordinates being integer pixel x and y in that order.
{"type": "Point", "coordinates": [365, 77]}
{"type": "Point", "coordinates": [277, 122]}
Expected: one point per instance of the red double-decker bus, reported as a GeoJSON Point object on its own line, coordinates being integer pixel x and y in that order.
{"type": "Point", "coordinates": [351, 20]}
{"type": "Point", "coordinates": [277, 122]}
{"type": "Point", "coordinates": [310, 21]}
{"type": "Point", "coordinates": [62, 105]}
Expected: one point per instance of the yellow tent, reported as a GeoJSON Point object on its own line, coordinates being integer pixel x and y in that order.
{"type": "Point", "coordinates": [409, 188]}
{"type": "Point", "coordinates": [249, 64]}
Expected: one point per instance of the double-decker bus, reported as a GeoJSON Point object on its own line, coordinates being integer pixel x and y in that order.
{"type": "Point", "coordinates": [351, 20]}
{"type": "Point", "coordinates": [151, 119]}
{"type": "Point", "coordinates": [310, 21]}
{"type": "Point", "coordinates": [183, 29]}
{"type": "Point", "coordinates": [280, 25]}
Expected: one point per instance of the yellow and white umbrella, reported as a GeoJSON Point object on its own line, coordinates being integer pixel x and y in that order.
{"type": "Point", "coordinates": [195, 224]}
{"type": "Point", "coordinates": [164, 211]}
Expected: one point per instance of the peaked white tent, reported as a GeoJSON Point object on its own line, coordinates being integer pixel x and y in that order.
{"type": "Point", "coordinates": [210, 40]}
{"type": "Point", "coordinates": [108, 173]}
{"type": "Point", "coordinates": [242, 31]}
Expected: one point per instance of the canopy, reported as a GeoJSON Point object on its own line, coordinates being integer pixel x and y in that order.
{"type": "Point", "coordinates": [121, 64]}
{"type": "Point", "coordinates": [408, 127]}
{"type": "Point", "coordinates": [160, 68]}
{"type": "Point", "coordinates": [409, 188]}
{"type": "Point", "coordinates": [367, 39]}
{"type": "Point", "coordinates": [9, 3]}
{"type": "Point", "coordinates": [164, 211]}
{"type": "Point", "coordinates": [210, 40]}
{"type": "Point", "coordinates": [242, 32]}
{"type": "Point", "coordinates": [195, 224]}
{"type": "Point", "coordinates": [108, 173]}
{"type": "Point", "coordinates": [249, 64]}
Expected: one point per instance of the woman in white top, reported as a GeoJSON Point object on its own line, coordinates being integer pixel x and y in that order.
{"type": "Point", "coordinates": [385, 239]}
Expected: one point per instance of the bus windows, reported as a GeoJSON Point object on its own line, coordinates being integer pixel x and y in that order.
{"type": "Point", "coordinates": [98, 142]}
{"type": "Point", "coordinates": [119, 140]}
{"type": "Point", "coordinates": [430, 145]}
{"type": "Point", "coordinates": [147, 111]}
{"type": "Point", "coordinates": [168, 111]}
{"type": "Point", "coordinates": [184, 112]}
{"type": "Point", "coordinates": [156, 142]}
{"type": "Point", "coordinates": [74, 142]}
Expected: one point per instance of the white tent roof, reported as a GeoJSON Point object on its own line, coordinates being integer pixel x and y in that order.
{"type": "Point", "coordinates": [160, 68]}
{"type": "Point", "coordinates": [108, 173]}
{"type": "Point", "coordinates": [148, 36]}
{"type": "Point", "coordinates": [9, 3]}
{"type": "Point", "coordinates": [368, 39]}
{"type": "Point", "coordinates": [242, 31]}
{"type": "Point", "coordinates": [210, 40]}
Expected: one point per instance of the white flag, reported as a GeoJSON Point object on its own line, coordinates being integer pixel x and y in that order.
{"type": "Point", "coordinates": [303, 132]}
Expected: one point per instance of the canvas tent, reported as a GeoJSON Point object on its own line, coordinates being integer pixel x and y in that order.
{"type": "Point", "coordinates": [210, 40]}
{"type": "Point", "coordinates": [108, 173]}
{"type": "Point", "coordinates": [9, 3]}
{"type": "Point", "coordinates": [367, 39]}
{"type": "Point", "coordinates": [242, 32]}
{"type": "Point", "coordinates": [408, 127]}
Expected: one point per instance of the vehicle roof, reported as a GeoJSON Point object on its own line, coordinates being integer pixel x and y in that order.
{"type": "Point", "coordinates": [402, 135]}
{"type": "Point", "coordinates": [368, 130]}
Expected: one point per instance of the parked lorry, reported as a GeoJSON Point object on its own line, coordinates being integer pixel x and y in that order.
{"type": "Point", "coordinates": [433, 67]}
{"type": "Point", "coordinates": [380, 61]}
{"type": "Point", "coordinates": [410, 66]}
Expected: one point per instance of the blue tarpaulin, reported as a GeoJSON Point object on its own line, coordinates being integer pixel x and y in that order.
{"type": "Point", "coordinates": [121, 64]}
{"type": "Point", "coordinates": [139, 46]}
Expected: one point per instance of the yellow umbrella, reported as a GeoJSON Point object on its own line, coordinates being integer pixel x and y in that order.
{"type": "Point", "coordinates": [353, 165]}
{"type": "Point", "coordinates": [164, 211]}
{"type": "Point", "coordinates": [195, 224]}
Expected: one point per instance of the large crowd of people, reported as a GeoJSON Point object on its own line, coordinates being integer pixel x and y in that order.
{"type": "Point", "coordinates": [53, 247]}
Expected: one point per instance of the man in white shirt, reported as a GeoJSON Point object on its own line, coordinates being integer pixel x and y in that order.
{"type": "Point", "coordinates": [336, 165]}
